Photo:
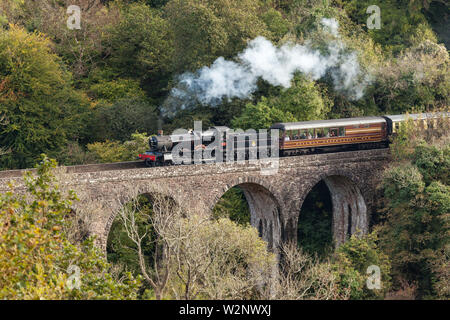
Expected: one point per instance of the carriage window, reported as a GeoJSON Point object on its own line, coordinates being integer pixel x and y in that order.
{"type": "Point", "coordinates": [287, 135]}
{"type": "Point", "coordinates": [303, 134]}
{"type": "Point", "coordinates": [334, 132]}
{"type": "Point", "coordinates": [295, 134]}
{"type": "Point", "coordinates": [326, 132]}
{"type": "Point", "coordinates": [319, 133]}
{"type": "Point", "coordinates": [341, 132]}
{"type": "Point", "coordinates": [310, 134]}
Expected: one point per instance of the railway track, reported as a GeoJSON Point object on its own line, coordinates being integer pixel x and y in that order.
{"type": "Point", "coordinates": [82, 168]}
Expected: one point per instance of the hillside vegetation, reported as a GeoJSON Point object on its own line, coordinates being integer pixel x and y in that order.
{"type": "Point", "coordinates": [78, 95]}
{"type": "Point", "coordinates": [96, 94]}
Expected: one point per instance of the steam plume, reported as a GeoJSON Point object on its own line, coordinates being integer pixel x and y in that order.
{"type": "Point", "coordinates": [261, 59]}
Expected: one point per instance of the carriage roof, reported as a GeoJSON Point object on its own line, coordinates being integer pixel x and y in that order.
{"type": "Point", "coordinates": [327, 123]}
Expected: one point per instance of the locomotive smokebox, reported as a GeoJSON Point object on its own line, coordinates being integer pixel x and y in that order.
{"type": "Point", "coordinates": [161, 143]}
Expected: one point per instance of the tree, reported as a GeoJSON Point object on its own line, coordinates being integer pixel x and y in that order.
{"type": "Point", "coordinates": [141, 47]}
{"type": "Point", "coordinates": [121, 119]}
{"type": "Point", "coordinates": [314, 231]}
{"type": "Point", "coordinates": [194, 256]}
{"type": "Point", "coordinates": [35, 252]}
{"type": "Point", "coordinates": [146, 230]}
{"type": "Point", "coordinates": [117, 151]}
{"type": "Point", "coordinates": [261, 116]}
{"type": "Point", "coordinates": [220, 260]}
{"type": "Point", "coordinates": [205, 30]}
{"type": "Point", "coordinates": [415, 229]}
{"type": "Point", "coordinates": [43, 111]}
{"type": "Point", "coordinates": [418, 80]}
{"type": "Point", "coordinates": [304, 100]}
{"type": "Point", "coordinates": [415, 210]}
{"type": "Point", "coordinates": [276, 24]}
{"type": "Point", "coordinates": [233, 205]}
{"type": "Point", "coordinates": [110, 91]}
{"type": "Point", "coordinates": [351, 261]}
{"type": "Point", "coordinates": [3, 121]}
{"type": "Point", "coordinates": [400, 23]}
{"type": "Point", "coordinates": [303, 277]}
{"type": "Point", "coordinates": [81, 49]}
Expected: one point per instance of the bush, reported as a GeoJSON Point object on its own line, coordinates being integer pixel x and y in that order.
{"type": "Point", "coordinates": [116, 151]}
{"type": "Point", "coordinates": [124, 117]}
{"type": "Point", "coordinates": [351, 262]}
{"type": "Point", "coordinates": [433, 163]}
{"type": "Point", "coordinates": [189, 256]}
{"type": "Point", "coordinates": [35, 254]}
{"type": "Point", "coordinates": [220, 260]}
{"type": "Point", "coordinates": [260, 116]}
{"type": "Point", "coordinates": [302, 276]}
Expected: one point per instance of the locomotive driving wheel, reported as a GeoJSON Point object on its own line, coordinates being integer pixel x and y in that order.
{"type": "Point", "coordinates": [149, 163]}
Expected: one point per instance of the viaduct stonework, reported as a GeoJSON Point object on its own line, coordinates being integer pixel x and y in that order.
{"type": "Point", "coordinates": [275, 200]}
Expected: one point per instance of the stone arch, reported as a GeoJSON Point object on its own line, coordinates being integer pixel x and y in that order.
{"type": "Point", "coordinates": [265, 209]}
{"type": "Point", "coordinates": [350, 196]}
{"type": "Point", "coordinates": [116, 204]}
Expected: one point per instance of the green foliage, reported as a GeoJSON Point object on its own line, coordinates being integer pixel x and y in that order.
{"type": "Point", "coordinates": [314, 232]}
{"type": "Point", "coordinates": [35, 252]}
{"type": "Point", "coordinates": [127, 55]}
{"type": "Point", "coordinates": [415, 232]}
{"type": "Point", "coordinates": [418, 80]}
{"type": "Point", "coordinates": [401, 24]}
{"type": "Point", "coordinates": [195, 250]}
{"type": "Point", "coordinates": [304, 100]}
{"type": "Point", "coordinates": [120, 120]}
{"type": "Point", "coordinates": [403, 144]}
{"type": "Point", "coordinates": [433, 163]}
{"type": "Point", "coordinates": [402, 183]}
{"type": "Point", "coordinates": [351, 261]}
{"type": "Point", "coordinates": [110, 91]}
{"type": "Point", "coordinates": [121, 250]}
{"type": "Point", "coordinates": [233, 205]}
{"type": "Point", "coordinates": [116, 151]}
{"type": "Point", "coordinates": [141, 46]}
{"type": "Point", "coordinates": [35, 96]}
{"type": "Point", "coordinates": [220, 260]}
{"type": "Point", "coordinates": [205, 30]}
{"type": "Point", "coordinates": [73, 154]}
{"type": "Point", "coordinates": [260, 116]}
{"type": "Point", "coordinates": [276, 24]}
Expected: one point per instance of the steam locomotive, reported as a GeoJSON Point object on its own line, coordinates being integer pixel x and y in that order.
{"type": "Point", "coordinates": [294, 138]}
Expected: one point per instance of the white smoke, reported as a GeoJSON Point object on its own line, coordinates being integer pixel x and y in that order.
{"type": "Point", "coordinates": [331, 25]}
{"type": "Point", "coordinates": [277, 66]}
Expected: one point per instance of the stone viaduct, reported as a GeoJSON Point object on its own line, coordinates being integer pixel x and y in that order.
{"type": "Point", "coordinates": [274, 199]}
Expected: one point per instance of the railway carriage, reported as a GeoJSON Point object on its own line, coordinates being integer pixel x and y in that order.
{"type": "Point", "coordinates": [344, 134]}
